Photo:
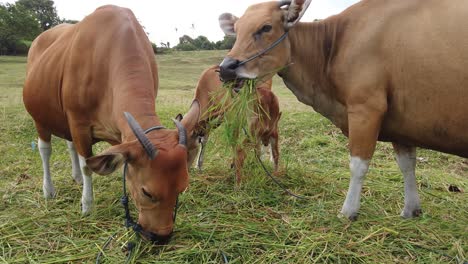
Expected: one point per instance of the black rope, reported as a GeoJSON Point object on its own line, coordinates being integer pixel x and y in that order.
{"type": "Point", "coordinates": [106, 244]}
{"type": "Point", "coordinates": [274, 44]}
{"type": "Point", "coordinates": [276, 181]}
{"type": "Point", "coordinates": [273, 178]}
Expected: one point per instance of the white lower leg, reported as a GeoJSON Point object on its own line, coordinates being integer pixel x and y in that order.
{"type": "Point", "coordinates": [272, 160]}
{"type": "Point", "coordinates": [76, 171]}
{"type": "Point", "coordinates": [351, 205]}
{"type": "Point", "coordinates": [263, 151]}
{"type": "Point", "coordinates": [201, 155]}
{"type": "Point", "coordinates": [406, 159]}
{"type": "Point", "coordinates": [87, 196]}
{"type": "Point", "coordinates": [45, 150]}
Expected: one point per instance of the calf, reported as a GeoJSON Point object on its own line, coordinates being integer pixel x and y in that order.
{"type": "Point", "coordinates": [264, 124]}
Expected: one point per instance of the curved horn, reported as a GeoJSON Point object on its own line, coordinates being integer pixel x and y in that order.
{"type": "Point", "coordinates": [140, 135]}
{"type": "Point", "coordinates": [296, 10]}
{"type": "Point", "coordinates": [182, 132]}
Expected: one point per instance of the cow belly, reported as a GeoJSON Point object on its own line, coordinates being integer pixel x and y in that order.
{"type": "Point", "coordinates": [47, 117]}
{"type": "Point", "coordinates": [449, 135]}
{"type": "Point", "coordinates": [57, 126]}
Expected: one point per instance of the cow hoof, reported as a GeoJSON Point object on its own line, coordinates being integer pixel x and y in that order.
{"type": "Point", "coordinates": [410, 213]}
{"type": "Point", "coordinates": [86, 208]}
{"type": "Point", "coordinates": [49, 192]}
{"type": "Point", "coordinates": [350, 216]}
{"type": "Point", "coordinates": [78, 179]}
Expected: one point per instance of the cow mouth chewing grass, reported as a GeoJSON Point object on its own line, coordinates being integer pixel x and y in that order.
{"type": "Point", "coordinates": [238, 84]}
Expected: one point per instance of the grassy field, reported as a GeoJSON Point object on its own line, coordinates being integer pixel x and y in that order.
{"type": "Point", "coordinates": [217, 222]}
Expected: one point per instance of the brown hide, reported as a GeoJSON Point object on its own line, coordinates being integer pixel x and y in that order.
{"type": "Point", "coordinates": [80, 80]}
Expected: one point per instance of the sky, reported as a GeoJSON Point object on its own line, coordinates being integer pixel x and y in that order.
{"type": "Point", "coordinates": [161, 18]}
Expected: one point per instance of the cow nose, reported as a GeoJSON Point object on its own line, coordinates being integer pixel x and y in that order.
{"type": "Point", "coordinates": [158, 239]}
{"type": "Point", "coordinates": [227, 69]}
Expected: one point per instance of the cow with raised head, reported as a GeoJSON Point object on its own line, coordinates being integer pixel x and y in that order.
{"type": "Point", "coordinates": [264, 125]}
{"type": "Point", "coordinates": [383, 70]}
{"type": "Point", "coordinates": [80, 80]}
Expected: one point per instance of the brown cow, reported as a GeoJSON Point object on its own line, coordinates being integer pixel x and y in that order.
{"type": "Point", "coordinates": [80, 80]}
{"type": "Point", "coordinates": [381, 70]}
{"type": "Point", "coordinates": [209, 93]}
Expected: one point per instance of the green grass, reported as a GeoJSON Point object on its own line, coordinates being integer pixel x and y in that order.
{"type": "Point", "coordinates": [255, 223]}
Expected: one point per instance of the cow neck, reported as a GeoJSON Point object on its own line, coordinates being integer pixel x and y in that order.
{"type": "Point", "coordinates": [313, 48]}
{"type": "Point", "coordinates": [141, 105]}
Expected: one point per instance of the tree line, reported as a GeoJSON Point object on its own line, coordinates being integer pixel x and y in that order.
{"type": "Point", "coordinates": [23, 21]}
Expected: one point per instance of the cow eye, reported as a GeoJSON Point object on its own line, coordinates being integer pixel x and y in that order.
{"type": "Point", "coordinates": [148, 194]}
{"type": "Point", "coordinates": [266, 28]}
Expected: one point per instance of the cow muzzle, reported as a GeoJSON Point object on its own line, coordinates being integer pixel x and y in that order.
{"type": "Point", "coordinates": [227, 69]}
{"type": "Point", "coordinates": [157, 239]}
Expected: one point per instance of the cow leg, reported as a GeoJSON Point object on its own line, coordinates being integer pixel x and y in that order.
{"type": "Point", "coordinates": [192, 155]}
{"type": "Point", "coordinates": [239, 163]}
{"type": "Point", "coordinates": [364, 126]}
{"type": "Point", "coordinates": [83, 144]}
{"type": "Point", "coordinates": [45, 150]}
{"type": "Point", "coordinates": [76, 171]}
{"type": "Point", "coordinates": [406, 159]}
{"type": "Point", "coordinates": [274, 151]}
{"type": "Point", "coordinates": [87, 196]}
{"type": "Point", "coordinates": [201, 156]}
{"type": "Point", "coordinates": [260, 150]}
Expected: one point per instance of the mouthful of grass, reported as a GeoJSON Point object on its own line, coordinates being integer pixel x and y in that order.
{"type": "Point", "coordinates": [239, 104]}
{"type": "Point", "coordinates": [238, 84]}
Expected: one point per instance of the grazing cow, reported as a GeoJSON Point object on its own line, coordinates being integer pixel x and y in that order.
{"type": "Point", "coordinates": [80, 80]}
{"type": "Point", "coordinates": [392, 71]}
{"type": "Point", "coordinates": [209, 93]}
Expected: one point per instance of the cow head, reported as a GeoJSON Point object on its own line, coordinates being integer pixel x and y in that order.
{"type": "Point", "coordinates": [156, 173]}
{"type": "Point", "coordinates": [260, 26]}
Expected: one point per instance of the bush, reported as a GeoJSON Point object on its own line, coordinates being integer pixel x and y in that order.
{"type": "Point", "coordinates": [22, 47]}
{"type": "Point", "coordinates": [186, 46]}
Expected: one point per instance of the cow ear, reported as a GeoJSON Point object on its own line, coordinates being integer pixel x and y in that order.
{"type": "Point", "coordinates": [108, 161]}
{"type": "Point", "coordinates": [192, 117]}
{"type": "Point", "coordinates": [179, 117]}
{"type": "Point", "coordinates": [295, 11]}
{"type": "Point", "coordinates": [226, 22]}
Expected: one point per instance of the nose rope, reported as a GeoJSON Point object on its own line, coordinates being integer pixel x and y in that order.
{"type": "Point", "coordinates": [129, 222]}
{"type": "Point", "coordinates": [274, 44]}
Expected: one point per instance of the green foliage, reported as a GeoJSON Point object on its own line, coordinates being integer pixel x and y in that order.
{"type": "Point", "coordinates": [186, 47]}
{"type": "Point", "coordinates": [17, 26]}
{"type": "Point", "coordinates": [202, 43]}
{"type": "Point", "coordinates": [44, 10]}
{"type": "Point", "coordinates": [226, 43]}
{"type": "Point", "coordinates": [69, 21]}
{"type": "Point", "coordinates": [186, 43]}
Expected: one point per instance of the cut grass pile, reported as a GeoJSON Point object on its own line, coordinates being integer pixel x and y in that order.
{"type": "Point", "coordinates": [255, 223]}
